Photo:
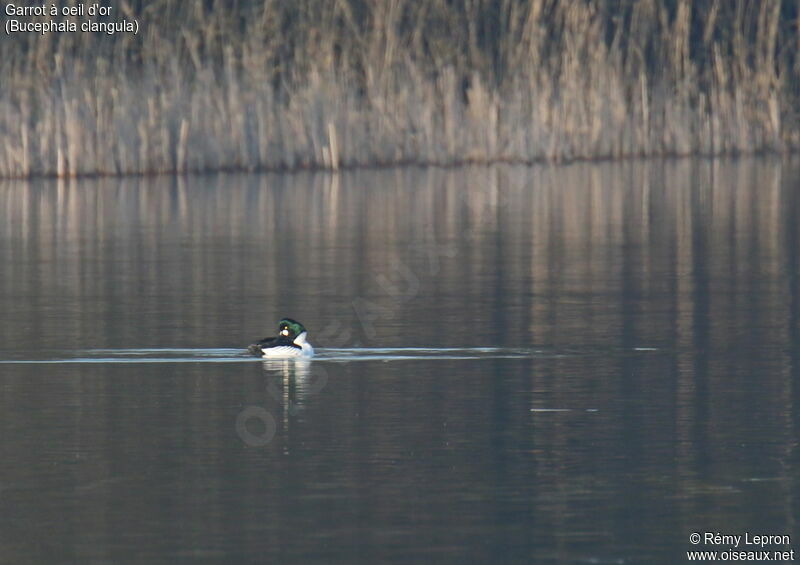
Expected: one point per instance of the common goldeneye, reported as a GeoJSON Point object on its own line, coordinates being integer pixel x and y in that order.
{"type": "Point", "coordinates": [290, 342]}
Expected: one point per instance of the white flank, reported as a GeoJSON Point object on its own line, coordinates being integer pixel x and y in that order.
{"type": "Point", "coordinates": [283, 351]}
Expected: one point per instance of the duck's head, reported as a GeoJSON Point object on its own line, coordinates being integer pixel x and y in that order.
{"type": "Point", "coordinates": [290, 328]}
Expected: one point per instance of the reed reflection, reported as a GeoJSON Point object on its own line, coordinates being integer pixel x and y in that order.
{"type": "Point", "coordinates": [661, 299]}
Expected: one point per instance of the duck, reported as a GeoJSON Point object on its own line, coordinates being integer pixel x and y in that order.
{"type": "Point", "coordinates": [290, 342]}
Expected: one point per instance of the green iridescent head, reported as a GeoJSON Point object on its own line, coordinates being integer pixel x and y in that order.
{"type": "Point", "coordinates": [290, 328]}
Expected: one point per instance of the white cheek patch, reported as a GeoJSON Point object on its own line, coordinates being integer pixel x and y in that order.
{"type": "Point", "coordinates": [285, 332]}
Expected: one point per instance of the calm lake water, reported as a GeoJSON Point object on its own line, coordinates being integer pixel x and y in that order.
{"type": "Point", "coordinates": [579, 364]}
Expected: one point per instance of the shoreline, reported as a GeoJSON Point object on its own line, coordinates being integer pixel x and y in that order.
{"type": "Point", "coordinates": [775, 155]}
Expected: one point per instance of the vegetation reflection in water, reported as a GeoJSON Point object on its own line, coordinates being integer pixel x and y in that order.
{"type": "Point", "coordinates": [658, 299]}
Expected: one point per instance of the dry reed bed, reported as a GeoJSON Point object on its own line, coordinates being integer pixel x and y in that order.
{"type": "Point", "coordinates": [272, 86]}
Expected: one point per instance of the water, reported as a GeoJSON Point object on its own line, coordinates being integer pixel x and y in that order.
{"type": "Point", "coordinates": [583, 364]}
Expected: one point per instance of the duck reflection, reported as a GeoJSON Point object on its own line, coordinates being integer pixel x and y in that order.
{"type": "Point", "coordinates": [292, 381]}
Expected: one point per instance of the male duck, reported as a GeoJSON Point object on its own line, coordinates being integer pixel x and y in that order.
{"type": "Point", "coordinates": [290, 342]}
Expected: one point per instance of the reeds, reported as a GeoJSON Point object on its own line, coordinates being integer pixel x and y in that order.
{"type": "Point", "coordinates": [268, 85]}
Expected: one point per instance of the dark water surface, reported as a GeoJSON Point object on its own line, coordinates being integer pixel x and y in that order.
{"type": "Point", "coordinates": [582, 364]}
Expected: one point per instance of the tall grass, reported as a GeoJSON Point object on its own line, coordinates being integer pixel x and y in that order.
{"type": "Point", "coordinates": [271, 85]}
